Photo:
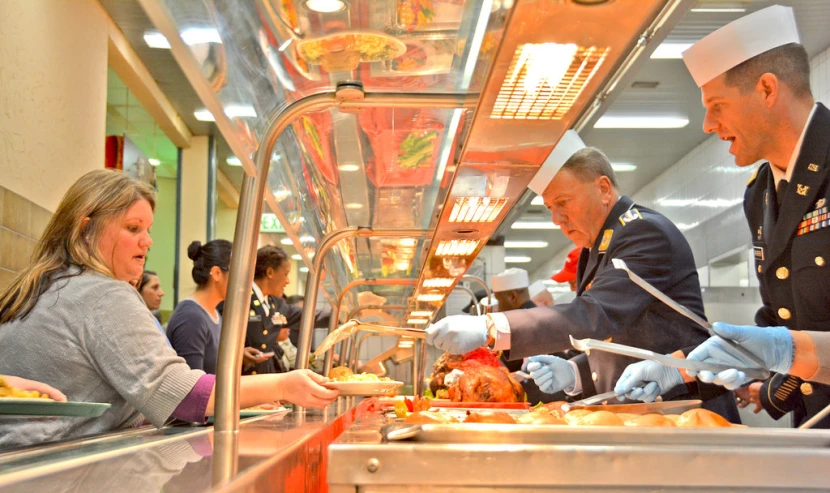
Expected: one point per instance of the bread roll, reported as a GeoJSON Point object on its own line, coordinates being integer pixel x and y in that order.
{"type": "Point", "coordinates": [430, 417]}
{"type": "Point", "coordinates": [490, 417]}
{"type": "Point", "coordinates": [702, 418]}
{"type": "Point", "coordinates": [599, 418]}
{"type": "Point", "coordinates": [572, 416]}
{"type": "Point", "coordinates": [540, 418]}
{"type": "Point", "coordinates": [626, 417]}
{"type": "Point", "coordinates": [675, 418]}
{"type": "Point", "coordinates": [650, 420]}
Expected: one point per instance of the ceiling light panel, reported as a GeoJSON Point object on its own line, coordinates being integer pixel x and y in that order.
{"type": "Point", "coordinates": [456, 248]}
{"type": "Point", "coordinates": [544, 80]}
{"type": "Point", "coordinates": [439, 282]}
{"type": "Point", "coordinates": [476, 209]}
{"type": "Point", "coordinates": [516, 259]}
{"type": "Point", "coordinates": [615, 121]}
{"type": "Point", "coordinates": [534, 225]}
{"type": "Point", "coordinates": [525, 244]}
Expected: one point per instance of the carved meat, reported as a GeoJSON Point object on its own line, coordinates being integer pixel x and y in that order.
{"type": "Point", "coordinates": [481, 383]}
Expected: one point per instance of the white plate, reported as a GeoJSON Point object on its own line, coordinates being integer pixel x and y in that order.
{"type": "Point", "coordinates": [46, 407]}
{"type": "Point", "coordinates": [364, 388]}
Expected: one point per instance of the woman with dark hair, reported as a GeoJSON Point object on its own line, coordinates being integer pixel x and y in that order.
{"type": "Point", "coordinates": [149, 287]}
{"type": "Point", "coordinates": [195, 325]}
{"type": "Point", "coordinates": [272, 320]}
{"type": "Point", "coordinates": [74, 295]}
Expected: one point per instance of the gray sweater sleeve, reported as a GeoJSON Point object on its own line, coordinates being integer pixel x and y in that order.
{"type": "Point", "coordinates": [131, 354]}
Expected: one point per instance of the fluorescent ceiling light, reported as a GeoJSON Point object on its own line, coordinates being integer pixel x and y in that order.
{"type": "Point", "coordinates": [286, 241]}
{"type": "Point", "coordinates": [670, 51]}
{"type": "Point", "coordinates": [354, 205]}
{"type": "Point", "coordinates": [306, 239]}
{"type": "Point", "coordinates": [348, 167]}
{"type": "Point", "coordinates": [154, 161]}
{"type": "Point", "coordinates": [534, 225]}
{"type": "Point", "coordinates": [537, 200]}
{"type": "Point", "coordinates": [296, 256]}
{"type": "Point", "coordinates": [623, 167]}
{"type": "Point", "coordinates": [516, 260]}
{"type": "Point", "coordinates": [303, 269]}
{"type": "Point", "coordinates": [710, 203]}
{"type": "Point", "coordinates": [233, 161]}
{"type": "Point", "coordinates": [232, 111]}
{"type": "Point", "coordinates": [325, 6]}
{"type": "Point", "coordinates": [641, 122]}
{"type": "Point", "coordinates": [191, 36]}
{"type": "Point", "coordinates": [525, 244]}
{"type": "Point", "coordinates": [719, 10]}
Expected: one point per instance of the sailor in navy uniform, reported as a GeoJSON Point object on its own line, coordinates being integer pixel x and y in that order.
{"type": "Point", "coordinates": [773, 116]}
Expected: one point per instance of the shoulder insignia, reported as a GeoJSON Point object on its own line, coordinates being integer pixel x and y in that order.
{"type": "Point", "coordinates": [630, 215]}
{"type": "Point", "coordinates": [606, 240]}
{"type": "Point", "coordinates": [753, 176]}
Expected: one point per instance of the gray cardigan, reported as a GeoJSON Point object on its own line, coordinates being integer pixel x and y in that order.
{"type": "Point", "coordinates": [93, 338]}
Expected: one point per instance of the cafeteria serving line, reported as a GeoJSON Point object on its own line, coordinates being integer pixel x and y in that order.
{"type": "Point", "coordinates": [394, 141]}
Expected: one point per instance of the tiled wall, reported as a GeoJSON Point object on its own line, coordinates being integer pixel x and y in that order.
{"type": "Point", "coordinates": [21, 224]}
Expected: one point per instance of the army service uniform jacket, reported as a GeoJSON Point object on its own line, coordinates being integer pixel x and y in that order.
{"type": "Point", "coordinates": [610, 307]}
{"type": "Point", "coordinates": [262, 333]}
{"type": "Point", "coordinates": [792, 261]}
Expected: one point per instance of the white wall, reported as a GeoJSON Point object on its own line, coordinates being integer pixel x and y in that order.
{"type": "Point", "coordinates": [53, 89]}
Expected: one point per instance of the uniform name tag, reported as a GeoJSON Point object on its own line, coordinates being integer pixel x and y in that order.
{"type": "Point", "coordinates": [759, 253]}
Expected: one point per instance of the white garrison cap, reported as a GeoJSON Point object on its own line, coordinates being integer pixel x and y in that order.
{"type": "Point", "coordinates": [510, 279]}
{"type": "Point", "coordinates": [536, 288]}
{"type": "Point", "coordinates": [565, 148]}
{"type": "Point", "coordinates": [739, 41]}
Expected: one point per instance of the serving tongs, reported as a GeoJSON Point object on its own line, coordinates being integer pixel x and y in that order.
{"type": "Point", "coordinates": [761, 372]}
{"type": "Point", "coordinates": [612, 347]}
{"type": "Point", "coordinates": [353, 326]}
{"type": "Point", "coordinates": [597, 403]}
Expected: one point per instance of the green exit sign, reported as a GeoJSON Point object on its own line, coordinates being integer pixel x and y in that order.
{"type": "Point", "coordinates": [270, 224]}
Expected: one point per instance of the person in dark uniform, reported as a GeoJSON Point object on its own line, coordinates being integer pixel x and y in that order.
{"type": "Point", "coordinates": [759, 99]}
{"type": "Point", "coordinates": [584, 202]}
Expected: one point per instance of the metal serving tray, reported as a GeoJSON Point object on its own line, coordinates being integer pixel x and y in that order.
{"type": "Point", "coordinates": [480, 433]}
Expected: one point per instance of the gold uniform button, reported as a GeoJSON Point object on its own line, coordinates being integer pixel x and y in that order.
{"type": "Point", "coordinates": [784, 313]}
{"type": "Point", "coordinates": [806, 388]}
{"type": "Point", "coordinates": [782, 273]}
{"type": "Point", "coordinates": [253, 313]}
{"type": "Point", "coordinates": [820, 261]}
{"type": "Point", "coordinates": [264, 346]}
{"type": "Point", "coordinates": [265, 332]}
{"type": "Point", "coordinates": [256, 303]}
{"type": "Point", "coordinates": [759, 269]}
{"type": "Point", "coordinates": [594, 376]}
{"type": "Point", "coordinates": [253, 373]}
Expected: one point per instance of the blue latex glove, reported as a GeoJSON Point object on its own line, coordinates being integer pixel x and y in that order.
{"type": "Point", "coordinates": [458, 334]}
{"type": "Point", "coordinates": [645, 380]}
{"type": "Point", "coordinates": [773, 345]}
{"type": "Point", "coordinates": [550, 373]}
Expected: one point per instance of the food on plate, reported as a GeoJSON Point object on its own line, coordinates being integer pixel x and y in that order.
{"type": "Point", "coordinates": [489, 417]}
{"type": "Point", "coordinates": [340, 372]}
{"type": "Point", "coordinates": [650, 420]}
{"type": "Point", "coordinates": [483, 383]}
{"type": "Point", "coordinates": [430, 417]}
{"type": "Point", "coordinates": [702, 418]}
{"type": "Point", "coordinates": [7, 390]}
{"type": "Point", "coordinates": [344, 374]}
{"type": "Point", "coordinates": [598, 418]}
{"type": "Point", "coordinates": [540, 418]}
{"type": "Point", "coordinates": [416, 149]}
{"type": "Point", "coordinates": [413, 14]}
{"type": "Point", "coordinates": [368, 46]}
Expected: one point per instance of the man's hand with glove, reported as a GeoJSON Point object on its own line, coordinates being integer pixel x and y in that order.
{"type": "Point", "coordinates": [645, 380]}
{"type": "Point", "coordinates": [551, 374]}
{"type": "Point", "coordinates": [773, 345]}
{"type": "Point", "coordinates": [458, 334]}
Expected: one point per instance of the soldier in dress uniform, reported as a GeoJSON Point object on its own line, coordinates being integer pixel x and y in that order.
{"type": "Point", "coordinates": [755, 83]}
{"type": "Point", "coordinates": [584, 202]}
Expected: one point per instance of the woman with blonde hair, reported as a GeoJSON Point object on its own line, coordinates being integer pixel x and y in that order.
{"type": "Point", "coordinates": [72, 321]}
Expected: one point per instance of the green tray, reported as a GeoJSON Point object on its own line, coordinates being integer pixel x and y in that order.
{"type": "Point", "coordinates": [43, 407]}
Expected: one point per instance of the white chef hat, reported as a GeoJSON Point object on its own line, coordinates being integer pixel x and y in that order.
{"type": "Point", "coordinates": [510, 279]}
{"type": "Point", "coordinates": [565, 148]}
{"type": "Point", "coordinates": [739, 41]}
{"type": "Point", "coordinates": [536, 287]}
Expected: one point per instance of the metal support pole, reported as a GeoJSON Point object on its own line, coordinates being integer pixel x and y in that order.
{"type": "Point", "coordinates": [483, 284]}
{"type": "Point", "coordinates": [235, 319]}
{"type": "Point", "coordinates": [327, 364]}
{"type": "Point", "coordinates": [472, 295]}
